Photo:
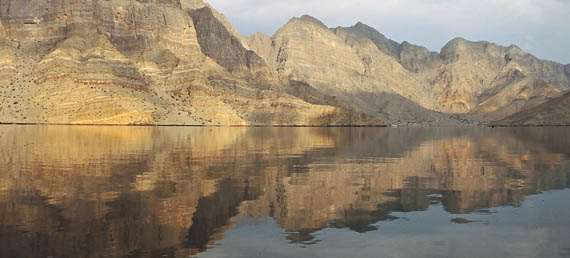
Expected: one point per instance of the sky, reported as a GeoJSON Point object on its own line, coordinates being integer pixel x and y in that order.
{"type": "Point", "coordinates": [541, 27]}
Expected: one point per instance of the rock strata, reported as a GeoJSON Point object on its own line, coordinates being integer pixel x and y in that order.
{"type": "Point", "coordinates": [140, 62]}
{"type": "Point", "coordinates": [219, 44]}
{"type": "Point", "coordinates": [358, 65]}
{"type": "Point", "coordinates": [181, 62]}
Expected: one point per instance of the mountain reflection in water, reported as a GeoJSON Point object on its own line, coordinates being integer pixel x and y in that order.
{"type": "Point", "coordinates": [149, 191]}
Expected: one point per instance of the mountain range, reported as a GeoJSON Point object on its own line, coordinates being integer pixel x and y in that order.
{"type": "Point", "coordinates": [180, 62]}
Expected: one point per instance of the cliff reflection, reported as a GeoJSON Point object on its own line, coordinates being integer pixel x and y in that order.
{"type": "Point", "coordinates": [145, 191]}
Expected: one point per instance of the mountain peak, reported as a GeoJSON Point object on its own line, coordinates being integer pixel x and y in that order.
{"type": "Point", "coordinates": [365, 28]}
{"type": "Point", "coordinates": [513, 46]}
{"type": "Point", "coordinates": [305, 21]}
{"type": "Point", "coordinates": [460, 45]}
{"type": "Point", "coordinates": [361, 25]}
{"type": "Point", "coordinates": [458, 40]}
{"type": "Point", "coordinates": [383, 43]}
{"type": "Point", "coordinates": [309, 19]}
{"type": "Point", "coordinates": [514, 50]}
{"type": "Point", "coordinates": [198, 4]}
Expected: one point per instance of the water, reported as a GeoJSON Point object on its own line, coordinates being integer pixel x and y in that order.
{"type": "Point", "coordinates": [284, 192]}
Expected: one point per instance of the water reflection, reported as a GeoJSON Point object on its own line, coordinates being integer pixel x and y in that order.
{"type": "Point", "coordinates": [146, 191]}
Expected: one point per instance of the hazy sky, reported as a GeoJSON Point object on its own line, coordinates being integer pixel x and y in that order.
{"type": "Point", "coordinates": [541, 27]}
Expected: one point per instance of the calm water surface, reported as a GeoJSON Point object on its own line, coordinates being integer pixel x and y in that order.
{"type": "Point", "coordinates": [284, 192]}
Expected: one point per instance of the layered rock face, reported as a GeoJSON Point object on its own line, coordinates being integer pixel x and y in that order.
{"type": "Point", "coordinates": [140, 62]}
{"type": "Point", "coordinates": [358, 63]}
{"type": "Point", "coordinates": [181, 62]}
{"type": "Point", "coordinates": [225, 48]}
{"type": "Point", "coordinates": [348, 67]}
{"type": "Point", "coordinates": [472, 69]}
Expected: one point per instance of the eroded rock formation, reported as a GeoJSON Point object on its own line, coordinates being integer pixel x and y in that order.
{"type": "Point", "coordinates": [140, 62]}
{"type": "Point", "coordinates": [181, 62]}
{"type": "Point", "coordinates": [482, 79]}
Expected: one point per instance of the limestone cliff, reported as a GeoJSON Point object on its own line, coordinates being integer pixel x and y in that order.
{"type": "Point", "coordinates": [226, 49]}
{"type": "Point", "coordinates": [260, 43]}
{"type": "Point", "coordinates": [181, 62]}
{"type": "Point", "coordinates": [472, 68]}
{"type": "Point", "coordinates": [463, 78]}
{"type": "Point", "coordinates": [349, 67]}
{"type": "Point", "coordinates": [140, 62]}
{"type": "Point", "coordinates": [199, 4]}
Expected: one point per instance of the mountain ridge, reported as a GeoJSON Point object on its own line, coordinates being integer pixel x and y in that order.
{"type": "Point", "coordinates": [461, 72]}
{"type": "Point", "coordinates": [180, 62]}
{"type": "Point", "coordinates": [551, 113]}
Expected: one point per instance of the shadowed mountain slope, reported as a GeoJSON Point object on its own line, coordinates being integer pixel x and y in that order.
{"type": "Point", "coordinates": [553, 112]}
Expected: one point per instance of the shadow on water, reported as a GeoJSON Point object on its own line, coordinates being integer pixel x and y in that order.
{"type": "Point", "coordinates": [120, 191]}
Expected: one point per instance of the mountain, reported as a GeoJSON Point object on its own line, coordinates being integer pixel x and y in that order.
{"type": "Point", "coordinates": [480, 81]}
{"type": "Point", "coordinates": [351, 68]}
{"type": "Point", "coordinates": [554, 112]}
{"type": "Point", "coordinates": [472, 68]}
{"type": "Point", "coordinates": [180, 62]}
{"type": "Point", "coordinates": [140, 62]}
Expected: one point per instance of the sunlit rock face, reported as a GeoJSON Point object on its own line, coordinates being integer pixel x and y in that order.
{"type": "Point", "coordinates": [146, 190]}
{"type": "Point", "coordinates": [140, 62]}
{"type": "Point", "coordinates": [465, 77]}
{"type": "Point", "coordinates": [474, 68]}
{"type": "Point", "coordinates": [180, 62]}
{"type": "Point", "coordinates": [344, 64]}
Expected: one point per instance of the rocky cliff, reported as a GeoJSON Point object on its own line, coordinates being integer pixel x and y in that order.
{"type": "Point", "coordinates": [555, 112]}
{"type": "Point", "coordinates": [181, 62]}
{"type": "Point", "coordinates": [480, 79]}
{"type": "Point", "coordinates": [471, 69]}
{"type": "Point", "coordinates": [140, 62]}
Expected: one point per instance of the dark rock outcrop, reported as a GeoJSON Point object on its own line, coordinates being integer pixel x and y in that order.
{"type": "Point", "coordinates": [219, 44]}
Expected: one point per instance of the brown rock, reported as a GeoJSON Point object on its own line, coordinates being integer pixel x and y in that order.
{"type": "Point", "coordinates": [138, 62]}
{"type": "Point", "coordinates": [219, 44]}
{"type": "Point", "coordinates": [182, 62]}
{"type": "Point", "coordinates": [260, 43]}
{"type": "Point", "coordinates": [418, 59]}
{"type": "Point", "coordinates": [552, 113]}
